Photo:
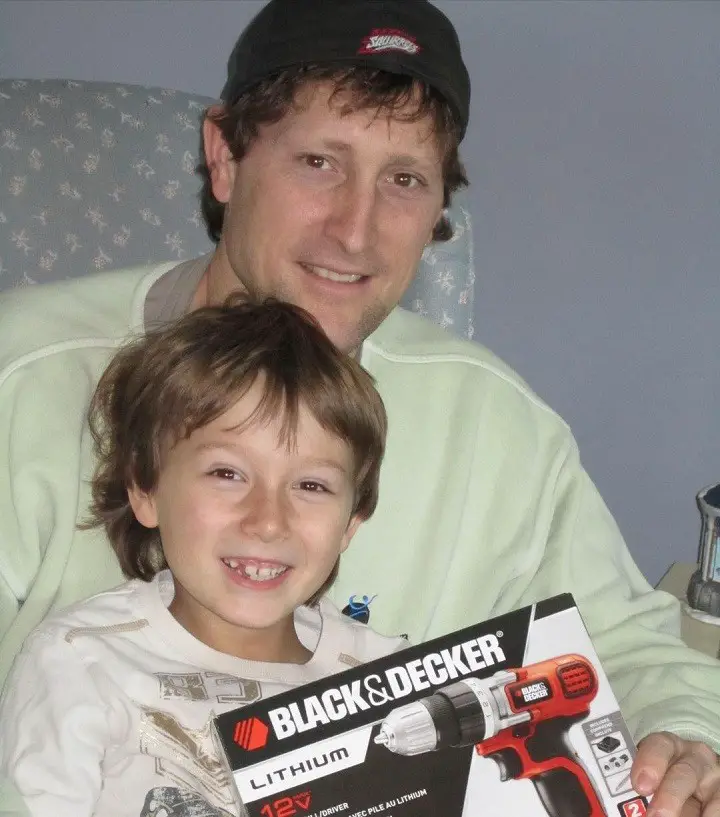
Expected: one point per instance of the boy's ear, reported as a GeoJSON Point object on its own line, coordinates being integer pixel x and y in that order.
{"type": "Point", "coordinates": [219, 160]}
{"type": "Point", "coordinates": [355, 521]}
{"type": "Point", "coordinates": [144, 507]}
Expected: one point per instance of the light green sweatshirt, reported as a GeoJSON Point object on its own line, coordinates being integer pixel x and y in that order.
{"type": "Point", "coordinates": [484, 505]}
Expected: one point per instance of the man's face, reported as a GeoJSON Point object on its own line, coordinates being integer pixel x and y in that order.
{"type": "Point", "coordinates": [328, 211]}
{"type": "Point", "coordinates": [250, 527]}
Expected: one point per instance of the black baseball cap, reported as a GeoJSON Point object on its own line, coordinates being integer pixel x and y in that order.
{"type": "Point", "coordinates": [408, 37]}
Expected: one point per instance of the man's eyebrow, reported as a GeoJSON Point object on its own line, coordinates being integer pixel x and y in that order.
{"type": "Point", "coordinates": [393, 159]}
{"type": "Point", "coordinates": [334, 144]}
{"type": "Point", "coordinates": [409, 160]}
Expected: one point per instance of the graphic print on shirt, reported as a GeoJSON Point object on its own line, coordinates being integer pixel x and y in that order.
{"type": "Point", "coordinates": [206, 686]}
{"type": "Point", "coordinates": [167, 801]}
{"type": "Point", "coordinates": [186, 757]}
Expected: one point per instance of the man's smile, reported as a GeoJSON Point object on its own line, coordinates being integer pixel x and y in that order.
{"type": "Point", "coordinates": [332, 275]}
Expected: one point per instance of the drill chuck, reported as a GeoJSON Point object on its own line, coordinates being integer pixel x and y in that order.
{"type": "Point", "coordinates": [408, 730]}
{"type": "Point", "coordinates": [460, 714]}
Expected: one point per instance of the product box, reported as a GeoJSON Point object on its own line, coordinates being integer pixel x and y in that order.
{"type": "Point", "coordinates": [414, 734]}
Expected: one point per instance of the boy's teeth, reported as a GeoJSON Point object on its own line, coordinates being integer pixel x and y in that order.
{"type": "Point", "coordinates": [335, 276]}
{"type": "Point", "coordinates": [256, 572]}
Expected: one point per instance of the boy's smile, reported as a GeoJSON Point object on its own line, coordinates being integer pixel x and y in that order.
{"type": "Point", "coordinates": [251, 527]}
{"type": "Point", "coordinates": [261, 573]}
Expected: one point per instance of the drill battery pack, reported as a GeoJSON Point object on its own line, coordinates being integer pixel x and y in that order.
{"type": "Point", "coordinates": [413, 734]}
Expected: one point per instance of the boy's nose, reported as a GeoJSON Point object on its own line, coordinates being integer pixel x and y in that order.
{"type": "Point", "coordinates": [265, 514]}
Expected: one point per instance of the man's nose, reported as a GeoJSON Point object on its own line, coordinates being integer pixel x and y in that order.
{"type": "Point", "coordinates": [352, 220]}
{"type": "Point", "coordinates": [265, 514]}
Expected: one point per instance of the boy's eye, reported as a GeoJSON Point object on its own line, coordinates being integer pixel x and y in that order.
{"type": "Point", "coordinates": [224, 473]}
{"type": "Point", "coordinates": [314, 487]}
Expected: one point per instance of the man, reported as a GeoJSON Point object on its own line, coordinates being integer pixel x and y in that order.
{"type": "Point", "coordinates": [326, 172]}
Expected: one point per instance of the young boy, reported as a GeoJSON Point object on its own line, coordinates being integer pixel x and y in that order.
{"type": "Point", "coordinates": [238, 452]}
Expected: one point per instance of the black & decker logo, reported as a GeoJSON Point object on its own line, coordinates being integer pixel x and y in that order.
{"type": "Point", "coordinates": [434, 669]}
{"type": "Point", "coordinates": [251, 734]}
{"type": "Point", "coordinates": [389, 39]}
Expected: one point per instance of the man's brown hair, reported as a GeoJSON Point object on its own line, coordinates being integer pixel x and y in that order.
{"type": "Point", "coordinates": [161, 387]}
{"type": "Point", "coordinates": [359, 88]}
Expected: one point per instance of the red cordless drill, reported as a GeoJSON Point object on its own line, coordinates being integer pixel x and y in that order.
{"type": "Point", "coordinates": [520, 718]}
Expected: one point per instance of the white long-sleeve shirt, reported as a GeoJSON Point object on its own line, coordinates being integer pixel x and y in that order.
{"type": "Point", "coordinates": [109, 705]}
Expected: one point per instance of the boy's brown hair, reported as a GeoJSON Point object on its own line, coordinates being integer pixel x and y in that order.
{"type": "Point", "coordinates": [162, 386]}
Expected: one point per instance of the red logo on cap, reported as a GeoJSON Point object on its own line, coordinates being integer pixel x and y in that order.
{"type": "Point", "coordinates": [250, 734]}
{"type": "Point", "coordinates": [389, 39]}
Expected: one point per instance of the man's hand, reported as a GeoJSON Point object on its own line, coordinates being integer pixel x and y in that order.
{"type": "Point", "coordinates": [682, 775]}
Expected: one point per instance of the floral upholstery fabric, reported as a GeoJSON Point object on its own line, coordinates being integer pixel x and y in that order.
{"type": "Point", "coordinates": [97, 175]}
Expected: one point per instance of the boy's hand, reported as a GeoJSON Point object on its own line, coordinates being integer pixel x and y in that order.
{"type": "Point", "coordinates": [682, 775]}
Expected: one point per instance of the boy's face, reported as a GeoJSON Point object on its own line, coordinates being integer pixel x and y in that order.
{"type": "Point", "coordinates": [250, 528]}
{"type": "Point", "coordinates": [328, 211]}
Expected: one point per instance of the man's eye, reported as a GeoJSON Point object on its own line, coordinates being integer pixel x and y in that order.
{"type": "Point", "coordinates": [406, 180]}
{"type": "Point", "coordinates": [316, 162]}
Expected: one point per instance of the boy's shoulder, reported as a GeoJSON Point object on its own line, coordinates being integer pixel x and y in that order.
{"type": "Point", "coordinates": [115, 608]}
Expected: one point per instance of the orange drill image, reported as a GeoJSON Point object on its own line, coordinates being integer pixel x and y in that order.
{"type": "Point", "coordinates": [520, 718]}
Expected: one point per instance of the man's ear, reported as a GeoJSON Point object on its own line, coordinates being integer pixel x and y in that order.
{"type": "Point", "coordinates": [144, 507]}
{"type": "Point", "coordinates": [218, 158]}
{"type": "Point", "coordinates": [442, 216]}
{"type": "Point", "coordinates": [355, 521]}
